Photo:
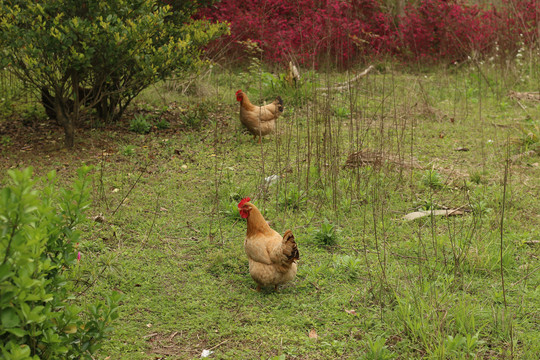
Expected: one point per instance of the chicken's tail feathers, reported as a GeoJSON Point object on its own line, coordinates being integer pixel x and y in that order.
{"type": "Point", "coordinates": [289, 247]}
{"type": "Point", "coordinates": [279, 101]}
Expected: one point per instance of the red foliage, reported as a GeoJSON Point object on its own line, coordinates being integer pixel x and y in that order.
{"type": "Point", "coordinates": [518, 24]}
{"type": "Point", "coordinates": [344, 32]}
{"type": "Point", "coordinates": [436, 30]}
{"type": "Point", "coordinates": [306, 30]}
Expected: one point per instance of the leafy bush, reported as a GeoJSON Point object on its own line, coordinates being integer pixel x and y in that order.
{"type": "Point", "coordinates": [38, 232]}
{"type": "Point", "coordinates": [105, 52]}
{"type": "Point", "coordinates": [139, 124]}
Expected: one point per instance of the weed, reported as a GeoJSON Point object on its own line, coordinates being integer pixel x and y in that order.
{"type": "Point", "coordinates": [341, 112]}
{"type": "Point", "coordinates": [426, 205]}
{"type": "Point", "coordinates": [163, 124]}
{"type": "Point", "coordinates": [292, 198]}
{"type": "Point", "coordinates": [378, 350]}
{"type": "Point", "coordinates": [477, 177]}
{"type": "Point", "coordinates": [6, 140]}
{"type": "Point", "coordinates": [327, 235]}
{"type": "Point", "coordinates": [432, 179]}
{"type": "Point", "coordinates": [480, 208]}
{"type": "Point", "coordinates": [530, 136]}
{"type": "Point", "coordinates": [128, 150]}
{"type": "Point", "coordinates": [230, 209]}
{"type": "Point", "coordinates": [348, 264]}
{"type": "Point", "coordinates": [195, 116]}
{"type": "Point", "coordinates": [139, 124]}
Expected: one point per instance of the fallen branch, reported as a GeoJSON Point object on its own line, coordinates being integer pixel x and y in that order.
{"type": "Point", "coordinates": [347, 85]}
{"type": "Point", "coordinates": [534, 96]}
{"type": "Point", "coordinates": [420, 214]}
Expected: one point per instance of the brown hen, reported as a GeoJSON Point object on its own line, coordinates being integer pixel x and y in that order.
{"type": "Point", "coordinates": [272, 257]}
{"type": "Point", "coordinates": [259, 120]}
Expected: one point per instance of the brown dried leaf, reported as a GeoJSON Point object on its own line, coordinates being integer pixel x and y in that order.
{"type": "Point", "coordinates": [313, 334]}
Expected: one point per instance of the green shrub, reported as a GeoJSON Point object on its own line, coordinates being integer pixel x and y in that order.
{"type": "Point", "coordinates": [140, 124]}
{"type": "Point", "coordinates": [63, 47]}
{"type": "Point", "coordinates": [38, 232]}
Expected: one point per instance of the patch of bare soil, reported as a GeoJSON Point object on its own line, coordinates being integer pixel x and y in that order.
{"type": "Point", "coordinates": [39, 142]}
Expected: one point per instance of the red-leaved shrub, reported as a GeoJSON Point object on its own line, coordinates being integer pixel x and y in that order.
{"type": "Point", "coordinates": [344, 32]}
{"type": "Point", "coordinates": [518, 25]}
{"type": "Point", "coordinates": [446, 30]}
{"type": "Point", "coordinates": [307, 30]}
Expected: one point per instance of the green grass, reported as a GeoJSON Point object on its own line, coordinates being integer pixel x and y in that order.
{"type": "Point", "coordinates": [369, 284]}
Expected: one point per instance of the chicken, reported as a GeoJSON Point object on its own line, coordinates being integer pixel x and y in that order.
{"type": "Point", "coordinates": [293, 76]}
{"type": "Point", "coordinates": [259, 120]}
{"type": "Point", "coordinates": [272, 257]}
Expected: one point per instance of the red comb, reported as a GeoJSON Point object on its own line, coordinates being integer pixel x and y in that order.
{"type": "Point", "coordinates": [238, 92]}
{"type": "Point", "coordinates": [243, 201]}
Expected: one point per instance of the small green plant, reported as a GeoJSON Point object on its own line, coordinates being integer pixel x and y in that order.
{"type": "Point", "coordinates": [457, 346]}
{"type": "Point", "coordinates": [128, 150]}
{"type": "Point", "coordinates": [139, 124]}
{"type": "Point", "coordinates": [378, 350]}
{"type": "Point", "coordinates": [327, 235]}
{"type": "Point", "coordinates": [530, 136]}
{"type": "Point", "coordinates": [477, 177]}
{"type": "Point", "coordinates": [6, 140]}
{"type": "Point", "coordinates": [230, 209]}
{"type": "Point", "coordinates": [432, 179]}
{"type": "Point", "coordinates": [163, 124]}
{"type": "Point", "coordinates": [347, 264]}
{"type": "Point", "coordinates": [342, 112]}
{"type": "Point", "coordinates": [480, 208]}
{"type": "Point", "coordinates": [292, 198]}
{"type": "Point", "coordinates": [426, 205]}
{"type": "Point", "coordinates": [196, 115]}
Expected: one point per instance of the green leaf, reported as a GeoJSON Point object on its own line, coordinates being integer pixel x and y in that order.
{"type": "Point", "coordinates": [10, 319]}
{"type": "Point", "coordinates": [17, 332]}
{"type": "Point", "coordinates": [5, 272]}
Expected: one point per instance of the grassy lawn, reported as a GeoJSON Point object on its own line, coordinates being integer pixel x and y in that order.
{"type": "Point", "coordinates": [370, 284]}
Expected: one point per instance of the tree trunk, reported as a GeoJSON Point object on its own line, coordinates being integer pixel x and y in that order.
{"type": "Point", "coordinates": [69, 131]}
{"type": "Point", "coordinates": [65, 117]}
